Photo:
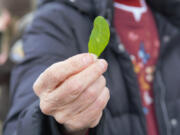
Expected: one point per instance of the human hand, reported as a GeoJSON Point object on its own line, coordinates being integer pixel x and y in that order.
{"type": "Point", "coordinates": [74, 92]}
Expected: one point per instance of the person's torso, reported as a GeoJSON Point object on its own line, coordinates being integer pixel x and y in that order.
{"type": "Point", "coordinates": [125, 107]}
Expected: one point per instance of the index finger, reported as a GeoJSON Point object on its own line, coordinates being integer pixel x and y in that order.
{"type": "Point", "coordinates": [58, 72]}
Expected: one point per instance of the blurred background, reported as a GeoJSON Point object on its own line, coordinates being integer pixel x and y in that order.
{"type": "Point", "coordinates": [15, 15]}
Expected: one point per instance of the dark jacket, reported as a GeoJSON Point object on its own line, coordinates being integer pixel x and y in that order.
{"type": "Point", "coordinates": [61, 29]}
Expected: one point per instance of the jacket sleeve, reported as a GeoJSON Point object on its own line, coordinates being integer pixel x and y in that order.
{"type": "Point", "coordinates": [169, 8]}
{"type": "Point", "coordinates": [48, 40]}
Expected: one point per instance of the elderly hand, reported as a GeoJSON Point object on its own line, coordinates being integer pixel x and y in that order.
{"type": "Point", "coordinates": [74, 92]}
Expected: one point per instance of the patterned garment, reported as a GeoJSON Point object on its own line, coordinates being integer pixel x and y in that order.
{"type": "Point", "coordinates": [137, 29]}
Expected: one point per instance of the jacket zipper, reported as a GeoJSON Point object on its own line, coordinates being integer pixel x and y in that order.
{"type": "Point", "coordinates": [163, 104]}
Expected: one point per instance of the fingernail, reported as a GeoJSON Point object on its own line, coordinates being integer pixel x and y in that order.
{"type": "Point", "coordinates": [103, 64]}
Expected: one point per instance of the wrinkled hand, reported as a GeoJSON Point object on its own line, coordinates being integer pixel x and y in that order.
{"type": "Point", "coordinates": [74, 91]}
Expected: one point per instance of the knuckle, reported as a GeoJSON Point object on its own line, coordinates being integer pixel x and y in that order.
{"type": "Point", "coordinates": [52, 72]}
{"type": "Point", "coordinates": [53, 66]}
{"type": "Point", "coordinates": [74, 63]}
{"type": "Point", "coordinates": [78, 85]}
{"type": "Point", "coordinates": [35, 85]}
{"type": "Point", "coordinates": [44, 107]}
{"type": "Point", "coordinates": [108, 94]}
{"type": "Point", "coordinates": [60, 118]}
{"type": "Point", "coordinates": [97, 70]}
{"type": "Point", "coordinates": [94, 125]}
{"type": "Point", "coordinates": [74, 86]}
{"type": "Point", "coordinates": [91, 93]}
{"type": "Point", "coordinates": [54, 76]}
{"type": "Point", "coordinates": [100, 103]}
{"type": "Point", "coordinates": [103, 79]}
{"type": "Point", "coordinates": [36, 88]}
{"type": "Point", "coordinates": [96, 121]}
{"type": "Point", "coordinates": [103, 100]}
{"type": "Point", "coordinates": [69, 86]}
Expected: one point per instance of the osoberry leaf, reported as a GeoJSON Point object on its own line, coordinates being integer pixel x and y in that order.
{"type": "Point", "coordinates": [99, 37]}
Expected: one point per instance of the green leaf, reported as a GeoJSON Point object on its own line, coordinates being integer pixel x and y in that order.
{"type": "Point", "coordinates": [100, 36]}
